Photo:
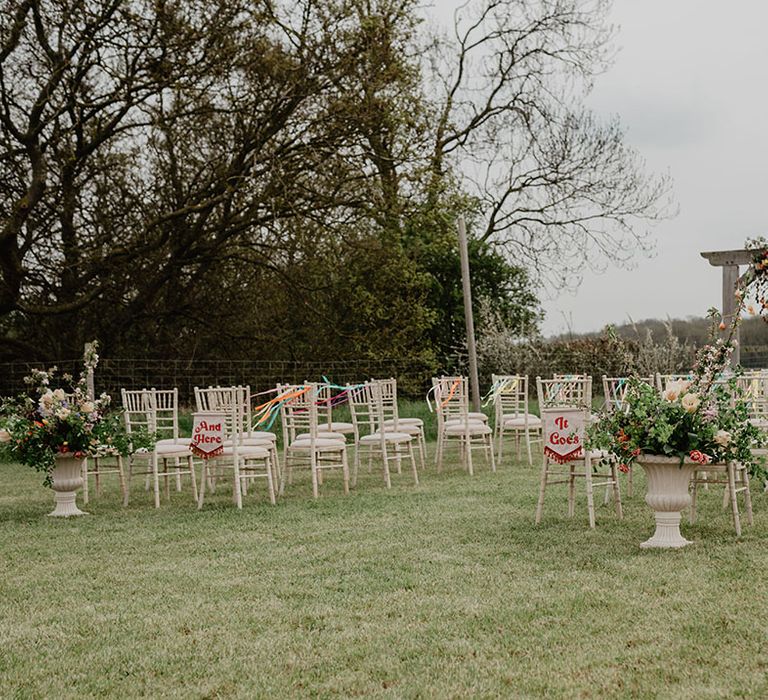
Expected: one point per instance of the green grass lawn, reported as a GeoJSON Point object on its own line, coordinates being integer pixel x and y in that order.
{"type": "Point", "coordinates": [445, 590]}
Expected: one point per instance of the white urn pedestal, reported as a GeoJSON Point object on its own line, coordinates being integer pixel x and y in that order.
{"type": "Point", "coordinates": [668, 495]}
{"type": "Point", "coordinates": [66, 479]}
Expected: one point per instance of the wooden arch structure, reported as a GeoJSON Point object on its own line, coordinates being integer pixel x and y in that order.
{"type": "Point", "coordinates": [730, 260]}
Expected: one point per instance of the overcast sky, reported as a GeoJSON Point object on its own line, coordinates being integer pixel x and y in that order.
{"type": "Point", "coordinates": [690, 84]}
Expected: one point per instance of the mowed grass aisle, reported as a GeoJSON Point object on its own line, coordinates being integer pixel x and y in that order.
{"type": "Point", "coordinates": [442, 590]}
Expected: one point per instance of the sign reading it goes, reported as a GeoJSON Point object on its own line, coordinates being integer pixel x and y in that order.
{"type": "Point", "coordinates": [207, 434]}
{"type": "Point", "coordinates": [564, 434]}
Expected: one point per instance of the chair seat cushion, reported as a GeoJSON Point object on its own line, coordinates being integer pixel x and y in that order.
{"type": "Point", "coordinates": [520, 422]}
{"type": "Point", "coordinates": [409, 428]}
{"type": "Point", "coordinates": [472, 427]}
{"type": "Point", "coordinates": [321, 444]}
{"type": "Point", "coordinates": [405, 421]}
{"type": "Point", "coordinates": [184, 441]}
{"type": "Point", "coordinates": [163, 449]}
{"type": "Point", "coordinates": [262, 435]}
{"type": "Point", "coordinates": [472, 416]}
{"type": "Point", "coordinates": [326, 436]}
{"type": "Point", "coordinates": [374, 438]}
{"type": "Point", "coordinates": [251, 442]}
{"type": "Point", "coordinates": [246, 451]}
{"type": "Point", "coordinates": [336, 427]}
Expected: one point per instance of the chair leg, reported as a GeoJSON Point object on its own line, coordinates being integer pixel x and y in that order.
{"type": "Point", "coordinates": [203, 479]}
{"type": "Point", "coordinates": [155, 480]}
{"type": "Point", "coordinates": [385, 460]}
{"type": "Point", "coordinates": [501, 444]}
{"type": "Point", "coordinates": [121, 479]}
{"type": "Point", "coordinates": [345, 471]}
{"type": "Point", "coordinates": [571, 489]}
{"type": "Point", "coordinates": [490, 450]}
{"type": "Point", "coordinates": [542, 487]}
{"type": "Point", "coordinates": [313, 467]}
{"type": "Point", "coordinates": [528, 445]}
{"type": "Point", "coordinates": [97, 476]}
{"type": "Point", "coordinates": [630, 486]}
{"type": "Point", "coordinates": [439, 453]}
{"type": "Point", "coordinates": [127, 492]}
{"type": "Point", "coordinates": [747, 494]}
{"type": "Point", "coordinates": [270, 480]}
{"type": "Point", "coordinates": [734, 502]}
{"type": "Point", "coordinates": [590, 493]}
{"type": "Point", "coordinates": [356, 466]}
{"type": "Point", "coordinates": [468, 451]}
{"type": "Point", "coordinates": [237, 486]}
{"type": "Point", "coordinates": [191, 465]}
{"type": "Point", "coordinates": [413, 464]}
{"type": "Point", "coordinates": [616, 490]}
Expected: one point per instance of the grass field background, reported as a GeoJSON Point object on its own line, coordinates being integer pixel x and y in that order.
{"type": "Point", "coordinates": [445, 590]}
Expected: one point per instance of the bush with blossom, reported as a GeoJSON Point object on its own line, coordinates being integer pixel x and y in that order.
{"type": "Point", "coordinates": [46, 421]}
{"type": "Point", "coordinates": [704, 419]}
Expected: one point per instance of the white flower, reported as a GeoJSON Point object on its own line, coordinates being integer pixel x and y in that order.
{"type": "Point", "coordinates": [87, 407]}
{"type": "Point", "coordinates": [5, 436]}
{"type": "Point", "coordinates": [723, 437]}
{"type": "Point", "coordinates": [62, 413]}
{"type": "Point", "coordinates": [690, 402]}
{"type": "Point", "coordinates": [675, 389]}
{"type": "Point", "coordinates": [59, 394]}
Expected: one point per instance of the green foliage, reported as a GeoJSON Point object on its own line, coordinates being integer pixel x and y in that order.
{"type": "Point", "coordinates": [686, 421]}
{"type": "Point", "coordinates": [35, 428]}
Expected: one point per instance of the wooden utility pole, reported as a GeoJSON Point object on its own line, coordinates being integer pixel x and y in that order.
{"type": "Point", "coordinates": [730, 260]}
{"type": "Point", "coordinates": [468, 318]}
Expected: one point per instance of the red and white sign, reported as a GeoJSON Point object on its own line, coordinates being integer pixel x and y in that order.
{"type": "Point", "coordinates": [207, 434]}
{"type": "Point", "coordinates": [564, 434]}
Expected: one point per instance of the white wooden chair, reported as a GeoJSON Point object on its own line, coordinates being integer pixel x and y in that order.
{"type": "Point", "coordinates": [140, 412]}
{"type": "Point", "coordinates": [559, 393]}
{"type": "Point", "coordinates": [304, 445]}
{"type": "Point", "coordinates": [220, 399]}
{"type": "Point", "coordinates": [615, 393]}
{"type": "Point", "coordinates": [248, 462]}
{"type": "Point", "coordinates": [393, 421]}
{"type": "Point", "coordinates": [735, 477]}
{"type": "Point", "coordinates": [387, 440]}
{"type": "Point", "coordinates": [97, 467]}
{"type": "Point", "coordinates": [512, 415]}
{"type": "Point", "coordinates": [325, 422]}
{"type": "Point", "coordinates": [455, 422]}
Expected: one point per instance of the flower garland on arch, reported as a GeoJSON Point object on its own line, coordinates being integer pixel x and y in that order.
{"type": "Point", "coordinates": [752, 292]}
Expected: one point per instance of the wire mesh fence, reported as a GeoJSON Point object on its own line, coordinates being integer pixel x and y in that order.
{"type": "Point", "coordinates": [413, 377]}
{"type": "Point", "coordinates": [111, 375]}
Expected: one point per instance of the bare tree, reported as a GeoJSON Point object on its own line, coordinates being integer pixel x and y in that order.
{"type": "Point", "coordinates": [554, 183]}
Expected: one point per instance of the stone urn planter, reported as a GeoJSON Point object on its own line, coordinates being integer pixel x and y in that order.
{"type": "Point", "coordinates": [668, 495]}
{"type": "Point", "coordinates": [66, 479]}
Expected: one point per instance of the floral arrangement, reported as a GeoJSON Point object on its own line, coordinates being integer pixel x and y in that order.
{"type": "Point", "coordinates": [704, 418]}
{"type": "Point", "coordinates": [38, 425]}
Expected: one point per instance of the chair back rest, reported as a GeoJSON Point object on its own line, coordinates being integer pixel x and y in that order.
{"type": "Point", "coordinates": [165, 406]}
{"type": "Point", "coordinates": [662, 380]}
{"type": "Point", "coordinates": [324, 403]}
{"type": "Point", "coordinates": [361, 408]}
{"type": "Point", "coordinates": [226, 400]}
{"type": "Point", "coordinates": [615, 391]}
{"type": "Point", "coordinates": [754, 389]}
{"type": "Point", "coordinates": [451, 398]}
{"type": "Point", "coordinates": [137, 410]}
{"type": "Point", "coordinates": [387, 391]}
{"type": "Point", "coordinates": [565, 392]}
{"type": "Point", "coordinates": [510, 395]}
{"type": "Point", "coordinates": [298, 412]}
